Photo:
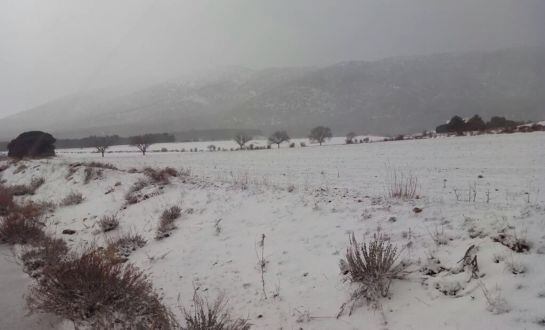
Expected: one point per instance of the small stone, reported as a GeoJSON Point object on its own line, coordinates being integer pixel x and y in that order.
{"type": "Point", "coordinates": [392, 219]}
{"type": "Point", "coordinates": [417, 210]}
{"type": "Point", "coordinates": [68, 232]}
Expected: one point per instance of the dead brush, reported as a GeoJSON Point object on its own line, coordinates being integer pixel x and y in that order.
{"type": "Point", "coordinates": [373, 266]}
{"type": "Point", "coordinates": [166, 222]}
{"type": "Point", "coordinates": [30, 189]}
{"type": "Point", "coordinates": [74, 198]}
{"type": "Point", "coordinates": [120, 248]}
{"type": "Point", "coordinates": [108, 223]}
{"type": "Point", "coordinates": [160, 176]}
{"type": "Point", "coordinates": [216, 316]}
{"type": "Point", "coordinates": [6, 201]}
{"type": "Point", "coordinates": [101, 165]}
{"type": "Point", "coordinates": [401, 185]}
{"type": "Point", "coordinates": [93, 292]}
{"type": "Point", "coordinates": [17, 229]}
{"type": "Point", "coordinates": [131, 197]}
{"type": "Point", "coordinates": [49, 252]}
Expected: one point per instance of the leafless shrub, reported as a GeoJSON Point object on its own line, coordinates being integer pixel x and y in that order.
{"type": "Point", "coordinates": [17, 229]}
{"type": "Point", "coordinates": [94, 292]}
{"type": "Point", "coordinates": [48, 252]}
{"type": "Point", "coordinates": [74, 198]}
{"type": "Point", "coordinates": [512, 241]}
{"type": "Point", "coordinates": [6, 201]}
{"type": "Point", "coordinates": [30, 189]}
{"type": "Point", "coordinates": [160, 176]}
{"type": "Point", "coordinates": [132, 195]}
{"type": "Point", "coordinates": [108, 223]}
{"type": "Point", "coordinates": [216, 316]}
{"type": "Point", "coordinates": [401, 185]}
{"type": "Point", "coordinates": [120, 248]}
{"type": "Point", "coordinates": [166, 223]}
{"type": "Point", "coordinates": [373, 266]}
{"type": "Point", "coordinates": [101, 165]}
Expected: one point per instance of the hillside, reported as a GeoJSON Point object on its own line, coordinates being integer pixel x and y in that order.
{"type": "Point", "coordinates": [385, 97]}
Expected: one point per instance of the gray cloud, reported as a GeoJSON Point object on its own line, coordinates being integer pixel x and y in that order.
{"type": "Point", "coordinates": [57, 47]}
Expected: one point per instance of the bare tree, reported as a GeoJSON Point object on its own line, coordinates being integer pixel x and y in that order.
{"type": "Point", "coordinates": [241, 139]}
{"type": "Point", "coordinates": [350, 138]}
{"type": "Point", "coordinates": [142, 142]}
{"type": "Point", "coordinates": [102, 144]}
{"type": "Point", "coordinates": [320, 134]}
{"type": "Point", "coordinates": [278, 137]}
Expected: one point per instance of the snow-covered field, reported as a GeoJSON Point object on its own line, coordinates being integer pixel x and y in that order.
{"type": "Point", "coordinates": [306, 201]}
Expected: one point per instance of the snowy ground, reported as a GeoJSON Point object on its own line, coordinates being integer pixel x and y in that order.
{"type": "Point", "coordinates": [235, 197]}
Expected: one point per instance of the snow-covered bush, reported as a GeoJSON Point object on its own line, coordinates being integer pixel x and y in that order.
{"type": "Point", "coordinates": [166, 223]}
{"type": "Point", "coordinates": [121, 247]}
{"type": "Point", "coordinates": [161, 176]}
{"type": "Point", "coordinates": [48, 252]}
{"type": "Point", "coordinates": [74, 198]}
{"type": "Point", "coordinates": [30, 189]}
{"type": "Point", "coordinates": [18, 229]}
{"type": "Point", "coordinates": [93, 292]}
{"type": "Point", "coordinates": [108, 223]}
{"type": "Point", "coordinates": [373, 266]}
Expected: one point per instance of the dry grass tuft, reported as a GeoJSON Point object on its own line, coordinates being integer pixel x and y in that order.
{"type": "Point", "coordinates": [17, 229]}
{"type": "Point", "coordinates": [30, 189]}
{"type": "Point", "coordinates": [101, 165]}
{"type": "Point", "coordinates": [401, 185]}
{"type": "Point", "coordinates": [108, 223]}
{"type": "Point", "coordinates": [166, 223]}
{"type": "Point", "coordinates": [216, 316]}
{"type": "Point", "coordinates": [48, 252]}
{"type": "Point", "coordinates": [74, 198]}
{"type": "Point", "coordinates": [96, 293]}
{"type": "Point", "coordinates": [6, 201]}
{"type": "Point", "coordinates": [373, 266]}
{"type": "Point", "coordinates": [160, 176]}
{"type": "Point", "coordinates": [120, 248]}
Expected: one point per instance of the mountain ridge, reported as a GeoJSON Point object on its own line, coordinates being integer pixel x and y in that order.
{"type": "Point", "coordinates": [388, 96]}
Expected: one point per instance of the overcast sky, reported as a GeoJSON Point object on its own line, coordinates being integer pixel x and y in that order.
{"type": "Point", "coordinates": [50, 48]}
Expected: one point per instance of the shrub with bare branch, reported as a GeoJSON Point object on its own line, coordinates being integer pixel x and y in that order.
{"type": "Point", "coordinates": [216, 316]}
{"type": "Point", "coordinates": [93, 292]}
{"type": "Point", "coordinates": [101, 165]}
{"type": "Point", "coordinates": [17, 229]}
{"type": "Point", "coordinates": [401, 185]}
{"type": "Point", "coordinates": [373, 266]}
{"type": "Point", "coordinates": [161, 176]}
{"type": "Point", "coordinates": [6, 201]}
{"type": "Point", "coordinates": [108, 223]}
{"type": "Point", "coordinates": [166, 223]}
{"type": "Point", "coordinates": [74, 198]}
{"type": "Point", "coordinates": [48, 252]}
{"type": "Point", "coordinates": [120, 248]}
{"type": "Point", "coordinates": [30, 189]}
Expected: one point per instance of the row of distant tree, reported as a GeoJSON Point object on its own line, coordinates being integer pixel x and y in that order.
{"type": "Point", "coordinates": [458, 125]}
{"type": "Point", "coordinates": [112, 140]}
{"type": "Point", "coordinates": [318, 134]}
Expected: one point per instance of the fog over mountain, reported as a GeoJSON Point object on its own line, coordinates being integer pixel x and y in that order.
{"type": "Point", "coordinates": [395, 95]}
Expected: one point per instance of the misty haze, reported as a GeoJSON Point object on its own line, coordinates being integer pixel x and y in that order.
{"type": "Point", "coordinates": [248, 164]}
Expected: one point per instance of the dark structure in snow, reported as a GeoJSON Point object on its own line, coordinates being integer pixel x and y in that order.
{"type": "Point", "coordinates": [32, 144]}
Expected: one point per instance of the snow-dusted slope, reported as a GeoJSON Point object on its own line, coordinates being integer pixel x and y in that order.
{"type": "Point", "coordinates": [306, 201]}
